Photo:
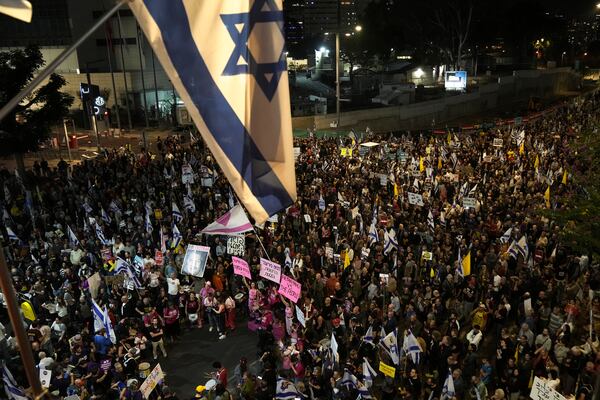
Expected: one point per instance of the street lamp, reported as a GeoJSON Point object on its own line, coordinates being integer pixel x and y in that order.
{"type": "Point", "coordinates": [357, 28]}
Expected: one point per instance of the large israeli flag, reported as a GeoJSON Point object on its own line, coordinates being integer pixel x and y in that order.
{"type": "Point", "coordinates": [227, 61]}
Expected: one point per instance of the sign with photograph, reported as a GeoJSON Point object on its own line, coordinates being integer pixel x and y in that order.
{"type": "Point", "coordinates": [194, 262]}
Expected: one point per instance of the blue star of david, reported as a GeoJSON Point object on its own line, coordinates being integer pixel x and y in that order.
{"type": "Point", "coordinates": [262, 11]}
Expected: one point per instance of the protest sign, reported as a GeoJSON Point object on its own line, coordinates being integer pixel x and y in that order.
{"type": "Point", "coordinates": [329, 252]}
{"type": "Point", "coordinates": [187, 174]}
{"type": "Point", "coordinates": [427, 255]}
{"type": "Point", "coordinates": [105, 364]}
{"type": "Point", "coordinates": [270, 270]}
{"type": "Point", "coordinates": [300, 316]}
{"type": "Point", "coordinates": [241, 267]}
{"type": "Point", "coordinates": [45, 377]}
{"type": "Point", "coordinates": [194, 262]}
{"type": "Point", "coordinates": [94, 284]}
{"type": "Point", "coordinates": [115, 280]}
{"type": "Point", "coordinates": [415, 199]}
{"type": "Point", "coordinates": [290, 288]}
{"type": "Point", "coordinates": [498, 143]}
{"type": "Point", "coordinates": [383, 179]}
{"type": "Point", "coordinates": [158, 258]}
{"type": "Point", "coordinates": [296, 152]}
{"type": "Point", "coordinates": [236, 245]}
{"type": "Point", "coordinates": [469, 202]}
{"type": "Point", "coordinates": [387, 369]}
{"type": "Point", "coordinates": [540, 390]}
{"type": "Point", "coordinates": [155, 377]}
{"type": "Point", "coordinates": [307, 218]}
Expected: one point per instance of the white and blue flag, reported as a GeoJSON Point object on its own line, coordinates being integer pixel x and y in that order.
{"type": "Point", "coordinates": [368, 338]}
{"type": "Point", "coordinates": [100, 235]}
{"type": "Point", "coordinates": [177, 215]}
{"type": "Point", "coordinates": [412, 347]}
{"type": "Point", "coordinates": [176, 237]}
{"type": "Point", "coordinates": [448, 390]}
{"type": "Point", "coordinates": [72, 238]}
{"type": "Point", "coordinates": [286, 390]}
{"type": "Point", "coordinates": [390, 344]}
{"type": "Point", "coordinates": [506, 236]}
{"type": "Point", "coordinates": [105, 217]}
{"type": "Point", "coordinates": [369, 373]}
{"type": "Point", "coordinates": [390, 243]}
{"type": "Point", "coordinates": [102, 321]}
{"type": "Point", "coordinates": [148, 224]}
{"type": "Point", "coordinates": [227, 61]}
{"type": "Point", "coordinates": [13, 391]}
{"type": "Point", "coordinates": [12, 235]}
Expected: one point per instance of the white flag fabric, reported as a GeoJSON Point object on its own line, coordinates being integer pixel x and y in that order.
{"type": "Point", "coordinates": [177, 215]}
{"type": "Point", "coordinates": [368, 338]}
{"type": "Point", "coordinates": [286, 390]}
{"type": "Point", "coordinates": [148, 224]}
{"type": "Point", "coordinates": [390, 344]}
{"type": "Point", "coordinates": [176, 237]}
{"type": "Point", "coordinates": [448, 390]}
{"type": "Point", "coordinates": [18, 9]}
{"type": "Point", "coordinates": [369, 373]}
{"type": "Point", "coordinates": [522, 247]}
{"type": "Point", "coordinates": [506, 236]}
{"type": "Point", "coordinates": [233, 222]}
{"type": "Point", "coordinates": [72, 238]}
{"type": "Point", "coordinates": [390, 242]}
{"type": "Point", "coordinates": [12, 235]}
{"type": "Point", "coordinates": [233, 80]}
{"type": "Point", "coordinates": [412, 347]}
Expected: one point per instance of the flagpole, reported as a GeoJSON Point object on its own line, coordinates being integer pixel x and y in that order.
{"type": "Point", "coordinates": [253, 230]}
{"type": "Point", "coordinates": [8, 107]}
{"type": "Point", "coordinates": [17, 323]}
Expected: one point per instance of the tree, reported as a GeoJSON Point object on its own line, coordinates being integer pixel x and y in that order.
{"type": "Point", "coordinates": [30, 122]}
{"type": "Point", "coordinates": [579, 208]}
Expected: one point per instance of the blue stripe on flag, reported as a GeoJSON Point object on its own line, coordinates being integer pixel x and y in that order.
{"type": "Point", "coordinates": [223, 123]}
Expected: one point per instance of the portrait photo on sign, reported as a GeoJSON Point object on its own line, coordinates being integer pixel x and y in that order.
{"type": "Point", "coordinates": [194, 262]}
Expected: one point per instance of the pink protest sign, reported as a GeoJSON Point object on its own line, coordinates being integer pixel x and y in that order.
{"type": "Point", "coordinates": [241, 267]}
{"type": "Point", "coordinates": [290, 288]}
{"type": "Point", "coordinates": [270, 270]}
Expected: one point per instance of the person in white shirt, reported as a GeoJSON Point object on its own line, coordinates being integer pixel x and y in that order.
{"type": "Point", "coordinates": [173, 285]}
{"type": "Point", "coordinates": [76, 256]}
{"type": "Point", "coordinates": [474, 336]}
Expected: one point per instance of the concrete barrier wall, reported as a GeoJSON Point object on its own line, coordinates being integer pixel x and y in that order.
{"type": "Point", "coordinates": [508, 90]}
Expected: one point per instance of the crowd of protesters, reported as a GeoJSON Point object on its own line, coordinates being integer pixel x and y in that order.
{"type": "Point", "coordinates": [369, 260]}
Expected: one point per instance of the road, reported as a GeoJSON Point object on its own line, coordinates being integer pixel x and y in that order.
{"type": "Point", "coordinates": [190, 359]}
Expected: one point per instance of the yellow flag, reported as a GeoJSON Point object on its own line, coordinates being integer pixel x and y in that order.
{"type": "Point", "coordinates": [27, 310]}
{"type": "Point", "coordinates": [537, 162]}
{"type": "Point", "coordinates": [396, 191]}
{"type": "Point", "coordinates": [421, 166]}
{"type": "Point", "coordinates": [431, 273]}
{"type": "Point", "coordinates": [522, 148]}
{"type": "Point", "coordinates": [449, 139]}
{"type": "Point", "coordinates": [547, 197]}
{"type": "Point", "coordinates": [343, 152]}
{"type": "Point", "coordinates": [346, 259]}
{"type": "Point", "coordinates": [439, 162]}
{"type": "Point", "coordinates": [466, 264]}
{"type": "Point", "coordinates": [564, 179]}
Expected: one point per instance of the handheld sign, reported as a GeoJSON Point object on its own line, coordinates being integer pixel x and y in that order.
{"type": "Point", "coordinates": [241, 267]}
{"type": "Point", "coordinates": [415, 199]}
{"type": "Point", "coordinates": [236, 245]}
{"type": "Point", "coordinates": [194, 262]}
{"type": "Point", "coordinates": [387, 369]}
{"type": "Point", "coordinates": [289, 288]}
{"type": "Point", "coordinates": [300, 316]}
{"type": "Point", "coordinates": [270, 270]}
{"type": "Point", "coordinates": [469, 202]}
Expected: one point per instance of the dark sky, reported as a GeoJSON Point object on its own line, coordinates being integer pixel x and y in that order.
{"type": "Point", "coordinates": [571, 8]}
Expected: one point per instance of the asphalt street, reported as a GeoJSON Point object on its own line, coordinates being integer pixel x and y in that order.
{"type": "Point", "coordinates": [190, 359]}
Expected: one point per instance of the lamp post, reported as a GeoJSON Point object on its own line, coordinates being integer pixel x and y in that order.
{"type": "Point", "coordinates": [357, 28]}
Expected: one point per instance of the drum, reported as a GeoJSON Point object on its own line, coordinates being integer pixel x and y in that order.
{"type": "Point", "coordinates": [211, 384]}
{"type": "Point", "coordinates": [144, 370]}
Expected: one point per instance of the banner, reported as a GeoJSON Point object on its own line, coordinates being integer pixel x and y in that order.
{"type": "Point", "coordinates": [155, 377]}
{"type": "Point", "coordinates": [158, 258]}
{"type": "Point", "coordinates": [290, 288]}
{"type": "Point", "coordinates": [270, 270]}
{"type": "Point", "coordinates": [236, 245]}
{"type": "Point", "coordinates": [469, 202]}
{"type": "Point", "coordinates": [241, 267]}
{"type": "Point", "coordinates": [187, 174]}
{"type": "Point", "coordinates": [540, 390]}
{"type": "Point", "coordinates": [387, 369]}
{"type": "Point", "coordinates": [194, 262]}
{"type": "Point", "coordinates": [415, 199]}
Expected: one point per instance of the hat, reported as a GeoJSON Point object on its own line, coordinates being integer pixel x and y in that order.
{"type": "Point", "coordinates": [336, 321]}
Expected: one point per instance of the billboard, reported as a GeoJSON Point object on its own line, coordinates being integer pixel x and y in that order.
{"type": "Point", "coordinates": [456, 80]}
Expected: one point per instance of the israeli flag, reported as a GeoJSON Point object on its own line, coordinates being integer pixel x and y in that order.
{"type": "Point", "coordinates": [412, 347]}
{"type": "Point", "coordinates": [188, 203]}
{"type": "Point", "coordinates": [506, 237]}
{"type": "Point", "coordinates": [286, 390]}
{"type": "Point", "coordinates": [102, 320]}
{"type": "Point", "coordinates": [390, 345]}
{"type": "Point", "coordinates": [148, 224]}
{"type": "Point", "coordinates": [522, 247]}
{"type": "Point", "coordinates": [368, 338]}
{"type": "Point", "coordinates": [448, 390]}
{"type": "Point", "coordinates": [12, 235]}
{"type": "Point", "coordinates": [114, 207]}
{"type": "Point", "coordinates": [369, 373]}
{"type": "Point", "coordinates": [430, 221]}
{"type": "Point", "coordinates": [176, 237]}
{"type": "Point", "coordinates": [349, 380]}
{"type": "Point", "coordinates": [177, 216]}
{"type": "Point", "coordinates": [390, 242]}
{"type": "Point", "coordinates": [13, 391]}
{"type": "Point", "coordinates": [227, 61]}
{"type": "Point", "coordinates": [72, 238]}
{"type": "Point", "coordinates": [321, 203]}
{"type": "Point", "coordinates": [100, 235]}
{"type": "Point", "coordinates": [105, 217]}
{"type": "Point", "coordinates": [373, 235]}
{"type": "Point", "coordinates": [123, 266]}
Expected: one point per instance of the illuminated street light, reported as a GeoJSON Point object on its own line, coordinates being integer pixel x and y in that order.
{"type": "Point", "coordinates": [358, 28]}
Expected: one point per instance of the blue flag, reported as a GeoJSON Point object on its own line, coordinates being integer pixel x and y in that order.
{"type": "Point", "coordinates": [227, 61]}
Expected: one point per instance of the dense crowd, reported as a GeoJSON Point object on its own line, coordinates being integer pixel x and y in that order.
{"type": "Point", "coordinates": [488, 291]}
